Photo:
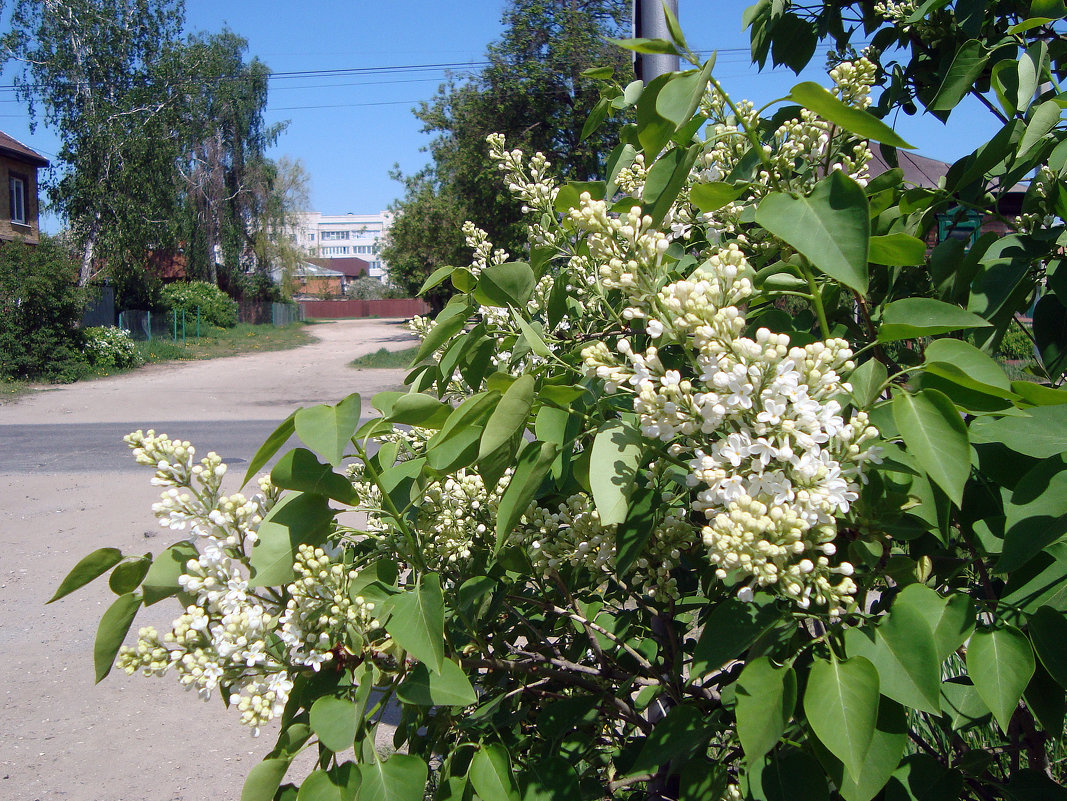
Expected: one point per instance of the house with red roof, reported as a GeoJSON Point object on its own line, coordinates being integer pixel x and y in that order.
{"type": "Point", "coordinates": [19, 208]}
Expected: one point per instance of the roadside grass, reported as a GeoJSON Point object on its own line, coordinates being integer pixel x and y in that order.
{"type": "Point", "coordinates": [12, 390]}
{"type": "Point", "coordinates": [385, 359]}
{"type": "Point", "coordinates": [217, 342]}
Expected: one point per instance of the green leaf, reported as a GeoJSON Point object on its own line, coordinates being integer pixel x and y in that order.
{"type": "Point", "coordinates": [112, 630]}
{"type": "Point", "coordinates": [868, 380]}
{"type": "Point", "coordinates": [448, 323]}
{"type": "Point", "coordinates": [508, 284]}
{"type": "Point", "coordinates": [830, 227]}
{"type": "Point", "coordinates": [335, 722]}
{"type": "Point", "coordinates": [673, 28]}
{"type": "Point", "coordinates": [490, 773]}
{"type": "Point", "coordinates": [616, 455]}
{"type": "Point", "coordinates": [1041, 581]}
{"type": "Point", "coordinates": [922, 778]}
{"type": "Point", "coordinates": [1036, 514]}
{"type": "Point", "coordinates": [327, 430]}
{"type": "Point", "coordinates": [297, 519]}
{"type": "Point", "coordinates": [534, 462]}
{"type": "Point", "coordinates": [883, 755]}
{"type": "Point", "coordinates": [961, 702]}
{"type": "Point", "coordinates": [1000, 662]}
{"type": "Point", "coordinates": [679, 734]}
{"type": "Point", "coordinates": [923, 317]}
{"type": "Point", "coordinates": [966, 67]}
{"type": "Point", "coordinates": [1050, 334]}
{"type": "Point", "coordinates": [631, 535]}
{"type": "Point", "coordinates": [508, 419]}
{"type": "Point", "coordinates": [551, 779]}
{"type": "Point", "coordinates": [127, 576]}
{"type": "Point", "coordinates": [435, 278]}
{"type": "Point", "coordinates": [570, 194]}
{"type": "Point", "coordinates": [965, 364]}
{"type": "Point", "coordinates": [729, 630]}
{"type": "Point", "coordinates": [300, 470]}
{"type": "Point", "coordinates": [417, 621]}
{"type": "Point", "coordinates": [937, 437]}
{"type": "Point", "coordinates": [90, 567]}
{"type": "Point", "coordinates": [419, 409]}
{"type": "Point", "coordinates": [1043, 119]}
{"type": "Point", "coordinates": [263, 780]}
{"type": "Point", "coordinates": [766, 695]}
{"type": "Point", "coordinates": [449, 688]}
{"type": "Point", "coordinates": [273, 443]}
{"type": "Point", "coordinates": [161, 581]}
{"type": "Point", "coordinates": [1030, 784]}
{"type": "Point", "coordinates": [1048, 631]}
{"type": "Point", "coordinates": [1042, 434]}
{"type": "Point", "coordinates": [714, 195]}
{"type": "Point", "coordinates": [841, 702]}
{"type": "Point", "coordinates": [897, 250]}
{"type": "Point", "coordinates": [905, 654]}
{"type": "Point", "coordinates": [681, 95]}
{"type": "Point", "coordinates": [531, 335]}
{"type": "Point", "coordinates": [650, 46]}
{"type": "Point", "coordinates": [402, 777]}
{"type": "Point", "coordinates": [787, 775]}
{"type": "Point", "coordinates": [951, 618]}
{"type": "Point", "coordinates": [862, 123]}
{"type": "Point", "coordinates": [340, 783]}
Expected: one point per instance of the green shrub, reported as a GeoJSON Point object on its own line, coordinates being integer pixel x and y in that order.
{"type": "Point", "coordinates": [216, 308]}
{"type": "Point", "coordinates": [40, 308]}
{"type": "Point", "coordinates": [1016, 345]}
{"type": "Point", "coordinates": [108, 347]}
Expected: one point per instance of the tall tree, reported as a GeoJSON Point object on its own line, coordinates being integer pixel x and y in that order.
{"type": "Point", "coordinates": [225, 176]}
{"type": "Point", "coordinates": [533, 92]}
{"type": "Point", "coordinates": [89, 68]}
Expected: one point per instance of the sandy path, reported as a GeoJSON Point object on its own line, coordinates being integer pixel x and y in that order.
{"type": "Point", "coordinates": [129, 739]}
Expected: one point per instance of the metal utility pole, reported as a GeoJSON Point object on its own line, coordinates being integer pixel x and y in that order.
{"type": "Point", "coordinates": [651, 23]}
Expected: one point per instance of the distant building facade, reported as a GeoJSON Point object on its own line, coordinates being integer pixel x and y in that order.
{"type": "Point", "coordinates": [340, 236]}
{"type": "Point", "coordinates": [18, 205]}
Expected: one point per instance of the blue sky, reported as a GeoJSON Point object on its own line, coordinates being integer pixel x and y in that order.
{"type": "Point", "coordinates": [349, 130]}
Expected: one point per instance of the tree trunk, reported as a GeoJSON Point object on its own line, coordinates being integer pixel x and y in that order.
{"type": "Point", "coordinates": [85, 274]}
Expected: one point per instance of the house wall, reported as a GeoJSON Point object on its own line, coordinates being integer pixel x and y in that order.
{"type": "Point", "coordinates": [30, 232]}
{"type": "Point", "coordinates": [319, 285]}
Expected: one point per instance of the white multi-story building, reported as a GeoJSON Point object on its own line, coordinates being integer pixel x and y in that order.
{"type": "Point", "coordinates": [336, 236]}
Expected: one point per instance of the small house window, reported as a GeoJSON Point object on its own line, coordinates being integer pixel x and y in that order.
{"type": "Point", "coordinates": [965, 225]}
{"type": "Point", "coordinates": [17, 193]}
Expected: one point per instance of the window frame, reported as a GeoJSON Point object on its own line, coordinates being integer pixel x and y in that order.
{"type": "Point", "coordinates": [23, 181]}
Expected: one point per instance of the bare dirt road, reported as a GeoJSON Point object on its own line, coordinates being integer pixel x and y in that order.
{"type": "Point", "coordinates": [130, 738]}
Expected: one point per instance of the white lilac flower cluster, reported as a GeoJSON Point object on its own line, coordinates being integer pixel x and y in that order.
{"type": "Point", "coordinates": [772, 462]}
{"type": "Point", "coordinates": [806, 140]}
{"type": "Point", "coordinates": [246, 640]}
{"type": "Point", "coordinates": [572, 534]}
{"type": "Point", "coordinates": [456, 515]}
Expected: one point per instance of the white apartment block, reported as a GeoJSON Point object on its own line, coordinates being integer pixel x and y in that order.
{"type": "Point", "coordinates": [335, 236]}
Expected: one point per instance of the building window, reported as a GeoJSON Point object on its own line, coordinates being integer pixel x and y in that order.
{"type": "Point", "coordinates": [17, 191]}
{"type": "Point", "coordinates": [334, 236]}
{"type": "Point", "coordinates": [311, 237]}
{"type": "Point", "coordinates": [960, 224]}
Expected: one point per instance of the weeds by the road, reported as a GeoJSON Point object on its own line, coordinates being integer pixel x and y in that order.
{"type": "Point", "coordinates": [11, 390]}
{"type": "Point", "coordinates": [389, 359]}
{"type": "Point", "coordinates": [217, 342]}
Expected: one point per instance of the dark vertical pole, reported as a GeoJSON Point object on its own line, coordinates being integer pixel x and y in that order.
{"type": "Point", "coordinates": [651, 23]}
